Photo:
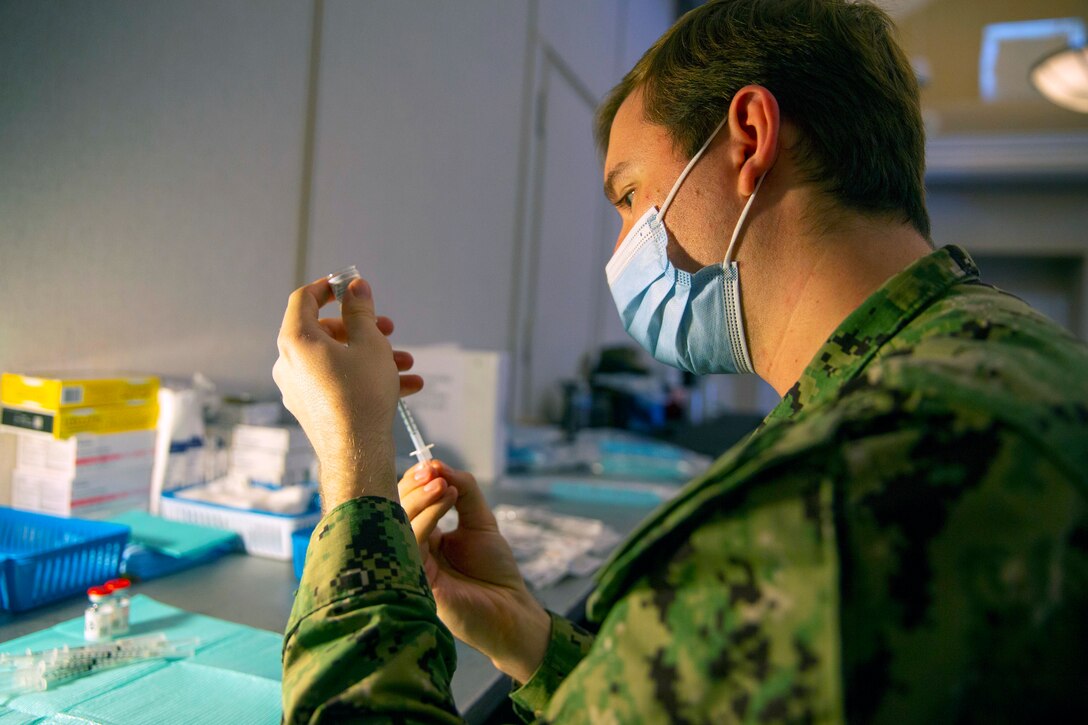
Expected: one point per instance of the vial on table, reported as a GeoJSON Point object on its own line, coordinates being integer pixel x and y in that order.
{"type": "Point", "coordinates": [119, 594]}
{"type": "Point", "coordinates": [98, 618]}
{"type": "Point", "coordinates": [341, 279]}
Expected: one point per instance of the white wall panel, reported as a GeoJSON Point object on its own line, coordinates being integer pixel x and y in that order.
{"type": "Point", "coordinates": [643, 22]}
{"type": "Point", "coordinates": [150, 158]}
{"type": "Point", "coordinates": [585, 35]}
{"type": "Point", "coordinates": [566, 255]}
{"type": "Point", "coordinates": [419, 129]}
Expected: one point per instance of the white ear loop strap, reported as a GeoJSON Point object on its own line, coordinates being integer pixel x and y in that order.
{"type": "Point", "coordinates": [687, 169]}
{"type": "Point", "coordinates": [740, 222]}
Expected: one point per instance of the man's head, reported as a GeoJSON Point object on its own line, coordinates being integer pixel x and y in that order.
{"type": "Point", "coordinates": [837, 74]}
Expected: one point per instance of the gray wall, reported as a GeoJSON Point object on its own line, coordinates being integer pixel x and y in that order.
{"type": "Point", "coordinates": [150, 158]}
{"type": "Point", "coordinates": [169, 171]}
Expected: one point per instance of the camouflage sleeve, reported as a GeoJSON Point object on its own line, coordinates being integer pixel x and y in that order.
{"type": "Point", "coordinates": [734, 622]}
{"type": "Point", "coordinates": [364, 642]}
{"type": "Point", "coordinates": [569, 643]}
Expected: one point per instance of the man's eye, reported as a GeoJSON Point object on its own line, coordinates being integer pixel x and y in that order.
{"type": "Point", "coordinates": [628, 199]}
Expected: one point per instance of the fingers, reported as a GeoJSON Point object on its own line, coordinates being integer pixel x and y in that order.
{"type": "Point", "coordinates": [357, 310]}
{"type": "Point", "coordinates": [385, 325]}
{"type": "Point", "coordinates": [403, 360]}
{"type": "Point", "coordinates": [426, 521]}
{"type": "Point", "coordinates": [426, 499]}
{"type": "Point", "coordinates": [411, 487]}
{"type": "Point", "coordinates": [472, 509]}
{"type": "Point", "coordinates": [334, 326]}
{"type": "Point", "coordinates": [336, 329]}
{"type": "Point", "coordinates": [410, 385]}
{"type": "Point", "coordinates": [300, 318]}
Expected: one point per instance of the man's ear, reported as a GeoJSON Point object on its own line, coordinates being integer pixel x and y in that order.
{"type": "Point", "coordinates": [753, 133]}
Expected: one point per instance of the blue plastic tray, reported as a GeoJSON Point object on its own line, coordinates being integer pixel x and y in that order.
{"type": "Point", "coordinates": [300, 542]}
{"type": "Point", "coordinates": [46, 558]}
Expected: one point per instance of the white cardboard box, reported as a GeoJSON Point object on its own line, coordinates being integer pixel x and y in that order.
{"type": "Point", "coordinates": [282, 438]}
{"type": "Point", "coordinates": [87, 497]}
{"type": "Point", "coordinates": [86, 451]}
{"type": "Point", "coordinates": [462, 407]}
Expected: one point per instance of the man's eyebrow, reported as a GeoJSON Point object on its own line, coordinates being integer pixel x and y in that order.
{"type": "Point", "coordinates": [618, 169]}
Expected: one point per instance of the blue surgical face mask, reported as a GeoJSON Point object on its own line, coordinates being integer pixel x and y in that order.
{"type": "Point", "coordinates": [689, 321]}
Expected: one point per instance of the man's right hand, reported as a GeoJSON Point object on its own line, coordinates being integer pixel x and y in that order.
{"type": "Point", "coordinates": [481, 595]}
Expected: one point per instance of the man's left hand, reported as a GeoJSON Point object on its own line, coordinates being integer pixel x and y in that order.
{"type": "Point", "coordinates": [341, 379]}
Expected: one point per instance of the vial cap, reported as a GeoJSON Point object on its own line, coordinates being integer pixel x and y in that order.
{"type": "Point", "coordinates": [98, 592]}
{"type": "Point", "coordinates": [340, 280]}
{"type": "Point", "coordinates": [114, 585]}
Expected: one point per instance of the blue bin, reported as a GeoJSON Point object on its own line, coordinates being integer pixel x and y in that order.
{"type": "Point", "coordinates": [300, 541]}
{"type": "Point", "coordinates": [46, 558]}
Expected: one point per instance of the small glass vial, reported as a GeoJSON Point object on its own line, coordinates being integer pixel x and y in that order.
{"type": "Point", "coordinates": [98, 618]}
{"type": "Point", "coordinates": [341, 279]}
{"type": "Point", "coordinates": [119, 595]}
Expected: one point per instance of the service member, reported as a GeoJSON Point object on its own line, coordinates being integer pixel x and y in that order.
{"type": "Point", "coordinates": [904, 539]}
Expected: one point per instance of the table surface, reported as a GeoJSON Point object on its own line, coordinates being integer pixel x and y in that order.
{"type": "Point", "coordinates": [259, 593]}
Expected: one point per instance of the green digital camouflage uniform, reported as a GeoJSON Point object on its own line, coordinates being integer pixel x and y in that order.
{"type": "Point", "coordinates": [904, 539]}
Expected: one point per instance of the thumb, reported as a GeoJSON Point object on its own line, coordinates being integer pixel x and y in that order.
{"type": "Point", "coordinates": [357, 309]}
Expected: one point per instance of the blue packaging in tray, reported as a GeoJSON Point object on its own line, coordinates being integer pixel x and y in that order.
{"type": "Point", "coordinates": [46, 558]}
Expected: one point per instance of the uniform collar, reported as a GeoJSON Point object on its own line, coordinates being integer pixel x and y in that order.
{"type": "Point", "coordinates": [874, 322]}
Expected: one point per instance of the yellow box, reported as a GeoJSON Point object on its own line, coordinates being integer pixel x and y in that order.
{"type": "Point", "coordinates": [134, 415]}
{"type": "Point", "coordinates": [57, 392]}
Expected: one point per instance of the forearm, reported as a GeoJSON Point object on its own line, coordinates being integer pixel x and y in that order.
{"type": "Point", "coordinates": [359, 471]}
{"type": "Point", "coordinates": [363, 640]}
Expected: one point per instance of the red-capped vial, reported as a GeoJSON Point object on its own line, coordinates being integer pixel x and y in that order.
{"type": "Point", "coordinates": [119, 594]}
{"type": "Point", "coordinates": [98, 618]}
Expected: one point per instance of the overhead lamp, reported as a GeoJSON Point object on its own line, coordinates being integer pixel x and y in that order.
{"type": "Point", "coordinates": [1063, 78]}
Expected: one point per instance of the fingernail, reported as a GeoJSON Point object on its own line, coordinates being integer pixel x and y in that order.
{"type": "Point", "coordinates": [431, 487]}
{"type": "Point", "coordinates": [360, 288]}
{"type": "Point", "coordinates": [421, 472]}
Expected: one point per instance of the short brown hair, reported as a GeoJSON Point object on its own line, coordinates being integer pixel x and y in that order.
{"type": "Point", "coordinates": [837, 73]}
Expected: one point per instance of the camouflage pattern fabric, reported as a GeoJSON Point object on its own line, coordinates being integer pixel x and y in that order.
{"type": "Point", "coordinates": [364, 642]}
{"type": "Point", "coordinates": [904, 539]}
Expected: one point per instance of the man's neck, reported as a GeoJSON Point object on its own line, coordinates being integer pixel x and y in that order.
{"type": "Point", "coordinates": [820, 279]}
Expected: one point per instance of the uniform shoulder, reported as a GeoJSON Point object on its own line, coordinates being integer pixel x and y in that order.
{"type": "Point", "coordinates": [979, 354]}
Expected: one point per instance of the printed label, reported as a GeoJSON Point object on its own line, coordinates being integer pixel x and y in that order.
{"type": "Point", "coordinates": [27, 419]}
{"type": "Point", "coordinates": [71, 395]}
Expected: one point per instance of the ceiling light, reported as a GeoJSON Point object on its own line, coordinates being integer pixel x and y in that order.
{"type": "Point", "coordinates": [1063, 78]}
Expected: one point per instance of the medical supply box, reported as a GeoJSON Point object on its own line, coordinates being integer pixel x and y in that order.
{"type": "Point", "coordinates": [61, 406]}
{"type": "Point", "coordinates": [50, 392]}
{"type": "Point", "coordinates": [87, 475]}
{"type": "Point", "coordinates": [276, 455]}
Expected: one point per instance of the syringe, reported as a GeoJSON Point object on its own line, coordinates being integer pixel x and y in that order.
{"type": "Point", "coordinates": [340, 281]}
{"type": "Point", "coordinates": [423, 450]}
{"type": "Point", "coordinates": [36, 671]}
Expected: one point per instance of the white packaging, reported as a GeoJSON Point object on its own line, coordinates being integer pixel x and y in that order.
{"type": "Point", "coordinates": [86, 451]}
{"type": "Point", "coordinates": [281, 438]}
{"type": "Point", "coordinates": [462, 407]}
{"type": "Point", "coordinates": [32, 495]}
{"type": "Point", "coordinates": [92, 489]}
{"type": "Point", "coordinates": [181, 423]}
{"type": "Point", "coordinates": [77, 489]}
{"type": "Point", "coordinates": [269, 467]}
{"type": "Point", "coordinates": [250, 412]}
